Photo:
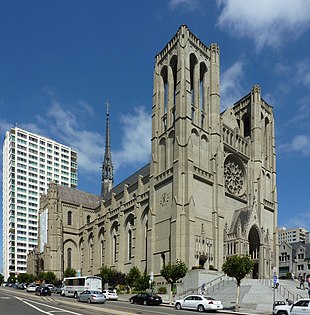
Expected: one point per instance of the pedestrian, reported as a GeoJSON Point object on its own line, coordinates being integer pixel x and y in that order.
{"type": "Point", "coordinates": [293, 276]}
{"type": "Point", "coordinates": [277, 282]}
{"type": "Point", "coordinates": [203, 288]}
{"type": "Point", "coordinates": [301, 283]}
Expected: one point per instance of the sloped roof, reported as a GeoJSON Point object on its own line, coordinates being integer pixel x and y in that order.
{"type": "Point", "coordinates": [242, 215]}
{"type": "Point", "coordinates": [144, 171]}
{"type": "Point", "coordinates": [74, 196]}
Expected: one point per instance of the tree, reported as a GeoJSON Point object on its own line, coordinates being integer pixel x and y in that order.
{"type": "Point", "coordinates": [106, 273]}
{"type": "Point", "coordinates": [238, 266]}
{"type": "Point", "coordinates": [142, 283]}
{"type": "Point", "coordinates": [69, 272]}
{"type": "Point", "coordinates": [131, 278]}
{"type": "Point", "coordinates": [23, 278]}
{"type": "Point", "coordinates": [50, 277]}
{"type": "Point", "coordinates": [1, 278]}
{"type": "Point", "coordinates": [172, 273]}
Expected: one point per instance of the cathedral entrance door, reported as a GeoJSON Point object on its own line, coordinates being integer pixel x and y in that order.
{"type": "Point", "coordinates": [254, 245]}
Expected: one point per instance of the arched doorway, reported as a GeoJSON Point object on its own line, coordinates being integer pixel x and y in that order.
{"type": "Point", "coordinates": [254, 245]}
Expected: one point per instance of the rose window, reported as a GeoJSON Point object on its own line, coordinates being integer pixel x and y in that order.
{"type": "Point", "coordinates": [234, 177]}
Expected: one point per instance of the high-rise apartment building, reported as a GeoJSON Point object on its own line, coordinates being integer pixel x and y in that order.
{"type": "Point", "coordinates": [30, 163]}
{"type": "Point", "coordinates": [292, 235]}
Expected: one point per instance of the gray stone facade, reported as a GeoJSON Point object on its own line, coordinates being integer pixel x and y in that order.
{"type": "Point", "coordinates": [208, 192]}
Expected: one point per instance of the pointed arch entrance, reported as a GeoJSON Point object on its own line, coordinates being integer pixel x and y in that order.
{"type": "Point", "coordinates": [254, 245]}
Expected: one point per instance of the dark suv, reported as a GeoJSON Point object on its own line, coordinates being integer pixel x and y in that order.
{"type": "Point", "coordinates": [43, 290]}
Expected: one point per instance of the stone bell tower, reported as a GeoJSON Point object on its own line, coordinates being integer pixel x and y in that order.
{"type": "Point", "coordinates": [185, 137]}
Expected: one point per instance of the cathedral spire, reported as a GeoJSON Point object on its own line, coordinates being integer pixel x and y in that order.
{"type": "Point", "coordinates": [107, 166]}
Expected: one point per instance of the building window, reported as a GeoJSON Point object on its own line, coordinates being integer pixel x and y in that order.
{"type": "Point", "coordinates": [129, 244]}
{"type": "Point", "coordinates": [69, 253]}
{"type": "Point", "coordinates": [69, 221]}
{"type": "Point", "coordinates": [114, 248]}
{"type": "Point", "coordinates": [88, 219]}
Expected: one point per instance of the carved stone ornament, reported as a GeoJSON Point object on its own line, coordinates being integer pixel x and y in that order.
{"type": "Point", "coordinates": [234, 176]}
{"type": "Point", "coordinates": [164, 198]}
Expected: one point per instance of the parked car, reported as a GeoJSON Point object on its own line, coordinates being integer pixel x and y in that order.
{"type": "Point", "coordinates": [57, 289]}
{"type": "Point", "coordinates": [110, 294]}
{"type": "Point", "coordinates": [51, 286]}
{"type": "Point", "coordinates": [43, 290]}
{"type": "Point", "coordinates": [281, 308]}
{"type": "Point", "coordinates": [90, 296]}
{"type": "Point", "coordinates": [301, 306]}
{"type": "Point", "coordinates": [200, 303]}
{"type": "Point", "coordinates": [146, 299]}
{"type": "Point", "coordinates": [31, 288]}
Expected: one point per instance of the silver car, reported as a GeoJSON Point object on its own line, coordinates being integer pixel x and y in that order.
{"type": "Point", "coordinates": [91, 297]}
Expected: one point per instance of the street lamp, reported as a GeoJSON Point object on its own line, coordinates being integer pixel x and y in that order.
{"type": "Point", "coordinates": [209, 244]}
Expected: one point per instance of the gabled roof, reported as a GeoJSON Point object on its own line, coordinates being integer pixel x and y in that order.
{"type": "Point", "coordinates": [77, 197]}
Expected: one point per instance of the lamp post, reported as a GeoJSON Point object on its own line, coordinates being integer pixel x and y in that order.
{"type": "Point", "coordinates": [209, 244]}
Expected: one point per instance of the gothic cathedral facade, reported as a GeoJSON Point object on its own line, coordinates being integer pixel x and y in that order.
{"type": "Point", "coordinates": [208, 192]}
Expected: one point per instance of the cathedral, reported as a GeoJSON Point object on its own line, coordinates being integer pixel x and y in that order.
{"type": "Point", "coordinates": [208, 191]}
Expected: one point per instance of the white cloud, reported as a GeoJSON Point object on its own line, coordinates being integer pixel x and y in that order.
{"type": "Point", "coordinates": [267, 22]}
{"type": "Point", "coordinates": [231, 89]}
{"type": "Point", "coordinates": [136, 141]}
{"type": "Point", "coordinates": [66, 127]}
{"type": "Point", "coordinates": [300, 144]}
{"type": "Point", "coordinates": [5, 126]}
{"type": "Point", "coordinates": [300, 219]}
{"type": "Point", "coordinates": [189, 4]}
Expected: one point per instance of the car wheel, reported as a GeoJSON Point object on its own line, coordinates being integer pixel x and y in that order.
{"type": "Point", "coordinates": [88, 301]}
{"type": "Point", "coordinates": [131, 301]}
{"type": "Point", "coordinates": [200, 308]}
{"type": "Point", "coordinates": [177, 306]}
{"type": "Point", "coordinates": [144, 302]}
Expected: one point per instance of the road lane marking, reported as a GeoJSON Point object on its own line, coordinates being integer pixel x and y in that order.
{"type": "Point", "coordinates": [50, 312]}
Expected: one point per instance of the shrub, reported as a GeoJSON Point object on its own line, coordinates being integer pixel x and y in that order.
{"type": "Point", "coordinates": [162, 290]}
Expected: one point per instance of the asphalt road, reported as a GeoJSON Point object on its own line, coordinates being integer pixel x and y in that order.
{"type": "Point", "coordinates": [20, 302]}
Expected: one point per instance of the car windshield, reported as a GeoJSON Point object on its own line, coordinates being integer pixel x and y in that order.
{"type": "Point", "coordinates": [96, 292]}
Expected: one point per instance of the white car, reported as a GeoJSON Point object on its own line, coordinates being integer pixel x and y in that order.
{"type": "Point", "coordinates": [31, 288]}
{"type": "Point", "coordinates": [301, 306]}
{"type": "Point", "coordinates": [198, 302]}
{"type": "Point", "coordinates": [110, 294]}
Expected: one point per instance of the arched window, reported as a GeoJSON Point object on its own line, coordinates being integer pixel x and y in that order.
{"type": "Point", "coordinates": [101, 253]}
{"type": "Point", "coordinates": [129, 244]}
{"type": "Point", "coordinates": [114, 248]}
{"type": "Point", "coordinates": [69, 218]}
{"type": "Point", "coordinates": [69, 257]}
{"type": "Point", "coordinates": [88, 219]}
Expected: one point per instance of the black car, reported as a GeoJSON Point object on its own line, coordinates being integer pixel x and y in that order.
{"type": "Point", "coordinates": [43, 290]}
{"type": "Point", "coordinates": [146, 299]}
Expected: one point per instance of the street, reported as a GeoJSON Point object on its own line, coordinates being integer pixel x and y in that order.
{"type": "Point", "coordinates": [19, 302]}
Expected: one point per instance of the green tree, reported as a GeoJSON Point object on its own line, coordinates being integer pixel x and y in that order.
{"type": "Point", "coordinates": [23, 278]}
{"type": "Point", "coordinates": [111, 276]}
{"type": "Point", "coordinates": [1, 278]}
{"type": "Point", "coordinates": [106, 273]}
{"type": "Point", "coordinates": [172, 273]}
{"type": "Point", "coordinates": [238, 266]}
{"type": "Point", "coordinates": [41, 276]}
{"type": "Point", "coordinates": [50, 277]}
{"type": "Point", "coordinates": [133, 275]}
{"type": "Point", "coordinates": [69, 272]}
{"type": "Point", "coordinates": [142, 283]}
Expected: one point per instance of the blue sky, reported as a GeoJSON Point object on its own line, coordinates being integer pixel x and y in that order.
{"type": "Point", "coordinates": [61, 60]}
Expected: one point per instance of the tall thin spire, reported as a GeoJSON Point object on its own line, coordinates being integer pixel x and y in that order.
{"type": "Point", "coordinates": [107, 166]}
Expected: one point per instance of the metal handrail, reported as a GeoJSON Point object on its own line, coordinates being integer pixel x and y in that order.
{"type": "Point", "coordinates": [281, 289]}
{"type": "Point", "coordinates": [208, 287]}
